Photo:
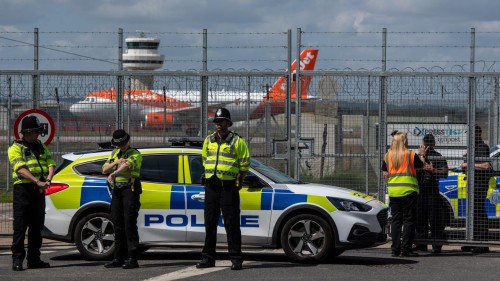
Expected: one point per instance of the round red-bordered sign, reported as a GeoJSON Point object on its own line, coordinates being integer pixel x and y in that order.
{"type": "Point", "coordinates": [46, 121]}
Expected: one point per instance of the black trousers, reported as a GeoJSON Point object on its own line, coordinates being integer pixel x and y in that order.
{"type": "Point", "coordinates": [29, 214]}
{"type": "Point", "coordinates": [429, 214]}
{"type": "Point", "coordinates": [225, 196]}
{"type": "Point", "coordinates": [403, 211]}
{"type": "Point", "coordinates": [125, 205]}
{"type": "Point", "coordinates": [480, 219]}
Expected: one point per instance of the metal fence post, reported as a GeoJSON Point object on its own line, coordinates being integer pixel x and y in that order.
{"type": "Point", "coordinates": [36, 82]}
{"type": "Point", "coordinates": [204, 87]}
{"type": "Point", "coordinates": [297, 106]}
{"type": "Point", "coordinates": [119, 82]}
{"type": "Point", "coordinates": [471, 120]}
{"type": "Point", "coordinates": [288, 102]}
{"type": "Point", "coordinates": [382, 139]}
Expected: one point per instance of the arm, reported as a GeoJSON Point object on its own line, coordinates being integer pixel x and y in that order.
{"type": "Point", "coordinates": [122, 167]}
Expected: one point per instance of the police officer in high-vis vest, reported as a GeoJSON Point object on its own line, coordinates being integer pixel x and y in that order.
{"type": "Point", "coordinates": [123, 167]}
{"type": "Point", "coordinates": [400, 169]}
{"type": "Point", "coordinates": [32, 172]}
{"type": "Point", "coordinates": [226, 160]}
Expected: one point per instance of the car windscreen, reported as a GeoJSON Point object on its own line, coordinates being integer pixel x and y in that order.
{"type": "Point", "coordinates": [272, 173]}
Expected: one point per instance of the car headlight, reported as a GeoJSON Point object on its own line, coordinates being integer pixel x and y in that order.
{"type": "Point", "coordinates": [349, 205]}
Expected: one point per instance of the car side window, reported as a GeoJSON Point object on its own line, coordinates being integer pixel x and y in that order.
{"type": "Point", "coordinates": [91, 168]}
{"type": "Point", "coordinates": [160, 168]}
{"type": "Point", "coordinates": [196, 168]}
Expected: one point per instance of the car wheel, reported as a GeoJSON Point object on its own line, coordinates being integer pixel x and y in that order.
{"type": "Point", "coordinates": [307, 238]}
{"type": "Point", "coordinates": [95, 237]}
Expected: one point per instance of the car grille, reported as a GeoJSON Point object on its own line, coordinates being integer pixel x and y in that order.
{"type": "Point", "coordinates": [382, 218]}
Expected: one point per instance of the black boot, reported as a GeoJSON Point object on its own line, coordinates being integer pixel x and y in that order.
{"type": "Point", "coordinates": [114, 264]}
{"type": "Point", "coordinates": [205, 263]}
{"type": "Point", "coordinates": [38, 264]}
{"type": "Point", "coordinates": [17, 265]}
{"type": "Point", "coordinates": [130, 263]}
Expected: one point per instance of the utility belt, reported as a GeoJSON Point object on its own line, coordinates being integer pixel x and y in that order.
{"type": "Point", "coordinates": [214, 180]}
{"type": "Point", "coordinates": [134, 184]}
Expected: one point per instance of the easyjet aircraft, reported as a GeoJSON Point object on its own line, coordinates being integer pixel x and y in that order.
{"type": "Point", "coordinates": [149, 106]}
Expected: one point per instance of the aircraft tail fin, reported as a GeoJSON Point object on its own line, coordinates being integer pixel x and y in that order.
{"type": "Point", "coordinates": [307, 62]}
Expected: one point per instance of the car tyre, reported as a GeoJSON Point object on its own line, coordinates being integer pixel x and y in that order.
{"type": "Point", "coordinates": [307, 238]}
{"type": "Point", "coordinates": [95, 236]}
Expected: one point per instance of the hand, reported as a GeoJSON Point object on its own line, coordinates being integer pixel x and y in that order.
{"type": "Point", "coordinates": [386, 174]}
{"type": "Point", "coordinates": [463, 166]}
{"type": "Point", "coordinates": [112, 177]}
{"type": "Point", "coordinates": [422, 150]}
{"type": "Point", "coordinates": [428, 167]}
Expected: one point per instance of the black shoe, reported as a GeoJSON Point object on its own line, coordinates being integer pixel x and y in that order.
{"type": "Point", "coordinates": [114, 264]}
{"type": "Point", "coordinates": [205, 263]}
{"type": "Point", "coordinates": [436, 250]}
{"type": "Point", "coordinates": [38, 264]}
{"type": "Point", "coordinates": [480, 250]}
{"type": "Point", "coordinates": [422, 248]}
{"type": "Point", "coordinates": [395, 253]}
{"type": "Point", "coordinates": [17, 266]}
{"type": "Point", "coordinates": [130, 263]}
{"type": "Point", "coordinates": [466, 248]}
{"type": "Point", "coordinates": [409, 254]}
{"type": "Point", "coordinates": [237, 265]}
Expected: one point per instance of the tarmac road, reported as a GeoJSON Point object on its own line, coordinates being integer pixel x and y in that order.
{"type": "Point", "coordinates": [174, 264]}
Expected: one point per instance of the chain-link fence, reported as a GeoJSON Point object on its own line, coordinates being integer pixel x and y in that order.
{"type": "Point", "coordinates": [335, 131]}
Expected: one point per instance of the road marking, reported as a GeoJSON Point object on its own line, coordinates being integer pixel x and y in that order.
{"type": "Point", "coordinates": [191, 271]}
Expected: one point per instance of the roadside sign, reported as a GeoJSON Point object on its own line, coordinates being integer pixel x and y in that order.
{"type": "Point", "coordinates": [46, 121]}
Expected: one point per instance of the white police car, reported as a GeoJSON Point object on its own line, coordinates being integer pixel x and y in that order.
{"type": "Point", "coordinates": [309, 221]}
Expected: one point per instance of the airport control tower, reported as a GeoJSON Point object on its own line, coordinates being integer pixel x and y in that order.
{"type": "Point", "coordinates": [142, 54]}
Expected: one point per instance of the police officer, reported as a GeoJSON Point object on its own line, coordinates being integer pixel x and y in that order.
{"type": "Point", "coordinates": [123, 167]}
{"type": "Point", "coordinates": [226, 160]}
{"type": "Point", "coordinates": [429, 207]}
{"type": "Point", "coordinates": [32, 172]}
{"type": "Point", "coordinates": [482, 174]}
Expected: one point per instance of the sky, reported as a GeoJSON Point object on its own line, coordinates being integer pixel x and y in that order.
{"type": "Point", "coordinates": [423, 35]}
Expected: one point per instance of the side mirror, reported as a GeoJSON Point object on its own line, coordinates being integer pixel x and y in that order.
{"type": "Point", "coordinates": [252, 181]}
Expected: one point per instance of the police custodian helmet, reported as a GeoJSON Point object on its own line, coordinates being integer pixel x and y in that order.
{"type": "Point", "coordinates": [223, 114]}
{"type": "Point", "coordinates": [30, 123]}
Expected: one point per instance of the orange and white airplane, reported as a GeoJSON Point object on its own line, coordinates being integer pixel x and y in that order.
{"type": "Point", "coordinates": [181, 107]}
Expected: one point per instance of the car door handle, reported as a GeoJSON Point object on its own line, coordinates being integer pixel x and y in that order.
{"type": "Point", "coordinates": [199, 197]}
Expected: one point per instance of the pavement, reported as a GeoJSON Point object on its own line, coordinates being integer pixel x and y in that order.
{"type": "Point", "coordinates": [6, 241]}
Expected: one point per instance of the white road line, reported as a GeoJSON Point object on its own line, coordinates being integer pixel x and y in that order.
{"type": "Point", "coordinates": [191, 271]}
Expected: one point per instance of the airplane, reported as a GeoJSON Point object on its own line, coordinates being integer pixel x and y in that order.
{"type": "Point", "coordinates": [181, 107]}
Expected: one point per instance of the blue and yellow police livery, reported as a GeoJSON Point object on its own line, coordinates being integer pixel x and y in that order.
{"type": "Point", "coordinates": [454, 192]}
{"type": "Point", "coordinates": [309, 221]}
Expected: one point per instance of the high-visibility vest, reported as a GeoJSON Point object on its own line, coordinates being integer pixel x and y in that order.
{"type": "Point", "coordinates": [21, 155]}
{"type": "Point", "coordinates": [134, 157]}
{"type": "Point", "coordinates": [227, 159]}
{"type": "Point", "coordinates": [401, 181]}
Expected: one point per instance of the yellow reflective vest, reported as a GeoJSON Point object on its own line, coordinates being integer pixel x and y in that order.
{"type": "Point", "coordinates": [401, 181]}
{"type": "Point", "coordinates": [227, 158]}
{"type": "Point", "coordinates": [134, 157]}
{"type": "Point", "coordinates": [21, 155]}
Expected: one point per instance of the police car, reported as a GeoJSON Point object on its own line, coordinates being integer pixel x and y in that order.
{"type": "Point", "coordinates": [453, 191]}
{"type": "Point", "coordinates": [310, 222]}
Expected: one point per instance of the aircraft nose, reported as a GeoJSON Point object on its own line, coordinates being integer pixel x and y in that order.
{"type": "Point", "coordinates": [76, 109]}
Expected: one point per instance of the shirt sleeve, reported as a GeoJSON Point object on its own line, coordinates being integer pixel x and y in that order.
{"type": "Point", "coordinates": [417, 162]}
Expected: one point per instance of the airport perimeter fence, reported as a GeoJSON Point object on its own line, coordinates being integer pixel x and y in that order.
{"type": "Point", "coordinates": [337, 136]}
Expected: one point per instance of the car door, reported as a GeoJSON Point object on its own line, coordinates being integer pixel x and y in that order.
{"type": "Point", "coordinates": [162, 217]}
{"type": "Point", "coordinates": [255, 203]}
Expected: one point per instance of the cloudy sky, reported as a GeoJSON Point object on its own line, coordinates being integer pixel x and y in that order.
{"type": "Point", "coordinates": [251, 34]}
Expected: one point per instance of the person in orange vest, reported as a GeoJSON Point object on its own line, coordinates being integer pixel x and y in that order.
{"type": "Point", "coordinates": [400, 170]}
